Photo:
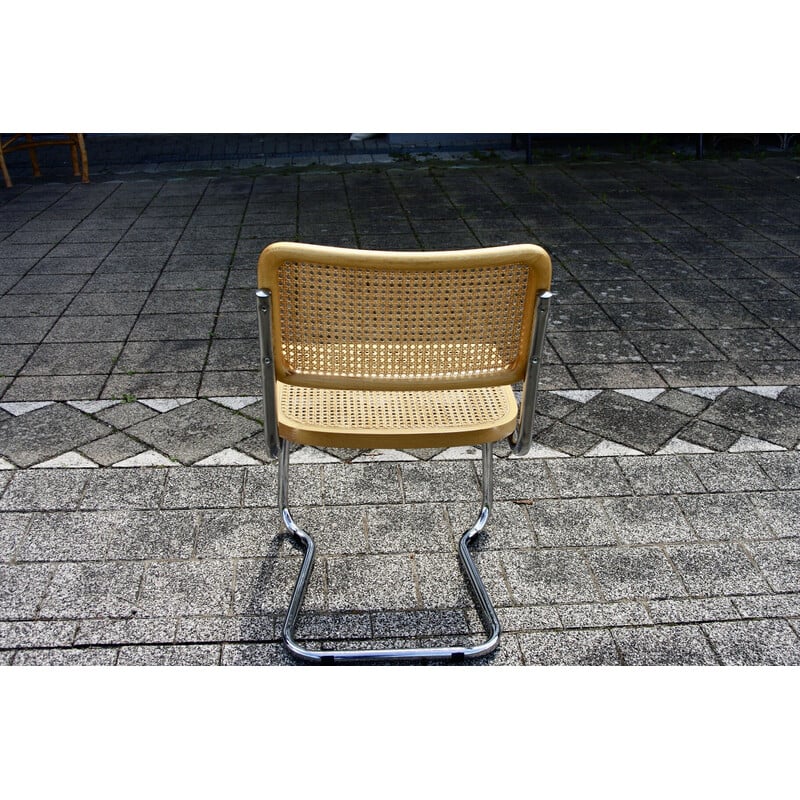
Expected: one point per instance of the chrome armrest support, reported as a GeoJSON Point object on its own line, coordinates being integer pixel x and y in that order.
{"type": "Point", "coordinates": [264, 301]}
{"type": "Point", "coordinates": [520, 440]}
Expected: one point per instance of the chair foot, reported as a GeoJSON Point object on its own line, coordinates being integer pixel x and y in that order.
{"type": "Point", "coordinates": [480, 595]}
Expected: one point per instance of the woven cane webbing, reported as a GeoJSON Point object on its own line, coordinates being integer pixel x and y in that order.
{"type": "Point", "coordinates": [342, 417]}
{"type": "Point", "coordinates": [401, 324]}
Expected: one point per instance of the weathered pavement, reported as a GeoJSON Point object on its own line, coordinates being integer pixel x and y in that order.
{"type": "Point", "coordinates": [655, 523]}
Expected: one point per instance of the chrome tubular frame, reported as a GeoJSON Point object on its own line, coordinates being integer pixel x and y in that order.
{"type": "Point", "coordinates": [264, 300]}
{"type": "Point", "coordinates": [520, 439]}
{"type": "Point", "coordinates": [484, 604]}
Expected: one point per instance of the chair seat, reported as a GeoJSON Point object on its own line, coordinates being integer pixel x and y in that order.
{"type": "Point", "coordinates": [407, 419]}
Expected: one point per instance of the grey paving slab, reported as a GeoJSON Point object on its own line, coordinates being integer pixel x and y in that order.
{"type": "Point", "coordinates": [265, 585]}
{"type": "Point", "coordinates": [702, 609]}
{"type": "Point", "coordinates": [37, 633]}
{"type": "Point", "coordinates": [724, 472]}
{"type": "Point", "coordinates": [46, 432]}
{"type": "Point", "coordinates": [634, 572]}
{"type": "Point", "coordinates": [22, 587]}
{"type": "Point", "coordinates": [169, 655]}
{"type": "Point", "coordinates": [44, 490]}
{"type": "Point", "coordinates": [779, 562]}
{"type": "Point", "coordinates": [186, 588]}
{"type": "Point", "coordinates": [12, 529]}
{"type": "Point", "coordinates": [92, 589]}
{"type": "Point", "coordinates": [193, 431]}
{"type": "Point", "coordinates": [646, 520]}
{"type": "Point", "coordinates": [725, 516]}
{"type": "Point", "coordinates": [718, 569]}
{"type": "Point", "coordinates": [569, 648]}
{"type": "Point", "coordinates": [549, 576]}
{"type": "Point", "coordinates": [758, 642]}
{"type": "Point", "coordinates": [67, 657]}
{"type": "Point", "coordinates": [680, 645]}
{"type": "Point", "coordinates": [113, 489]}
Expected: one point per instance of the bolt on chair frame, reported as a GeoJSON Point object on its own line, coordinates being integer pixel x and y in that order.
{"type": "Point", "coordinates": [278, 445]}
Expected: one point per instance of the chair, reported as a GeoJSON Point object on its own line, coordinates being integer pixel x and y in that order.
{"type": "Point", "coordinates": [75, 142]}
{"type": "Point", "coordinates": [371, 349]}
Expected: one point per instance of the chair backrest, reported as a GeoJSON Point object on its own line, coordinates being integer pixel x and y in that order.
{"type": "Point", "coordinates": [361, 319]}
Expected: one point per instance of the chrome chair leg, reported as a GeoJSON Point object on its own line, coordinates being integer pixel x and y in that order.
{"type": "Point", "coordinates": [481, 597]}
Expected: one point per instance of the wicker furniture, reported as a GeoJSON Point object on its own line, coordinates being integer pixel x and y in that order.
{"type": "Point", "coordinates": [370, 349]}
{"type": "Point", "coordinates": [26, 141]}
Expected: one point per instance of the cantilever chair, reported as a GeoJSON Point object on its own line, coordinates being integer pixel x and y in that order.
{"type": "Point", "coordinates": [371, 349]}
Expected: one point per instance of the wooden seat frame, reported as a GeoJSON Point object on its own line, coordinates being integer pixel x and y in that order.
{"type": "Point", "coordinates": [283, 264]}
{"type": "Point", "coordinates": [75, 142]}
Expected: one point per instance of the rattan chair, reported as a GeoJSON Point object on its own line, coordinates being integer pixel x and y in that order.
{"type": "Point", "coordinates": [75, 142]}
{"type": "Point", "coordinates": [370, 349]}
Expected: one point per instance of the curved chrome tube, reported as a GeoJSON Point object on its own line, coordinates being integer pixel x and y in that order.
{"type": "Point", "coordinates": [484, 604]}
{"type": "Point", "coordinates": [520, 439]}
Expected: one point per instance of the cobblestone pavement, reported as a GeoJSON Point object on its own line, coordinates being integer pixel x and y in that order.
{"type": "Point", "coordinates": [654, 522]}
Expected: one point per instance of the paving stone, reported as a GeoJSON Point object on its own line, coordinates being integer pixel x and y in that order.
{"type": "Point", "coordinates": [91, 329]}
{"type": "Point", "coordinates": [756, 416]}
{"type": "Point", "coordinates": [645, 520]}
{"type": "Point", "coordinates": [374, 582]}
{"type": "Point", "coordinates": [520, 479]}
{"type": "Point", "coordinates": [782, 468]}
{"type": "Point", "coordinates": [111, 489]}
{"type": "Point", "coordinates": [37, 634]}
{"type": "Point", "coordinates": [757, 606]}
{"type": "Point", "coordinates": [111, 449]}
{"type": "Point", "coordinates": [566, 439]}
{"type": "Point", "coordinates": [723, 472]}
{"type": "Point", "coordinates": [549, 576]}
{"type": "Point", "coordinates": [685, 403]}
{"type": "Point", "coordinates": [204, 488]}
{"type": "Point", "coordinates": [432, 482]}
{"type": "Point", "coordinates": [695, 610]}
{"type": "Point", "coordinates": [509, 525]}
{"type": "Point", "coordinates": [628, 421]}
{"type": "Point", "coordinates": [528, 618]}
{"type": "Point", "coordinates": [634, 572]}
{"type": "Point", "coordinates": [66, 657]}
{"type": "Point", "coordinates": [590, 347]}
{"type": "Point", "coordinates": [780, 510]}
{"type": "Point", "coordinates": [265, 585]}
{"type": "Point", "coordinates": [717, 569]}
{"type": "Point", "coordinates": [73, 387]}
{"type": "Point", "coordinates": [183, 355]}
{"type": "Point", "coordinates": [41, 434]}
{"type": "Point", "coordinates": [779, 562]}
{"type": "Point", "coordinates": [187, 587]}
{"type": "Point", "coordinates": [441, 583]}
{"type": "Point", "coordinates": [712, 437]}
{"type": "Point", "coordinates": [226, 629]}
{"type": "Point", "coordinates": [598, 615]}
{"type": "Point", "coordinates": [418, 527]}
{"type": "Point", "coordinates": [171, 327]}
{"type": "Point", "coordinates": [701, 373]}
{"type": "Point", "coordinates": [12, 529]}
{"type": "Point", "coordinates": [597, 477]}
{"type": "Point", "coordinates": [680, 645]}
{"type": "Point", "coordinates": [569, 648]}
{"type": "Point", "coordinates": [69, 536]}
{"type": "Point", "coordinates": [22, 587]}
{"type": "Point", "coordinates": [44, 490]}
{"type": "Point", "coordinates": [571, 523]}
{"type": "Point", "coordinates": [764, 642]}
{"type": "Point", "coordinates": [256, 655]}
{"type": "Point", "coordinates": [156, 384]}
{"type": "Point", "coordinates": [193, 431]}
{"type": "Point", "coordinates": [724, 517]}
{"type": "Point", "coordinates": [124, 631]}
{"type": "Point", "coordinates": [72, 358]}
{"type": "Point", "coordinates": [169, 655]}
{"type": "Point", "coordinates": [242, 533]}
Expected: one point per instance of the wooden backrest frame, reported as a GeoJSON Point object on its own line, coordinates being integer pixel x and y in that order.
{"type": "Point", "coordinates": [281, 257]}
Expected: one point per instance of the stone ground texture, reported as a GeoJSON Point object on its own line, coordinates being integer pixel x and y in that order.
{"type": "Point", "coordinates": [654, 523]}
